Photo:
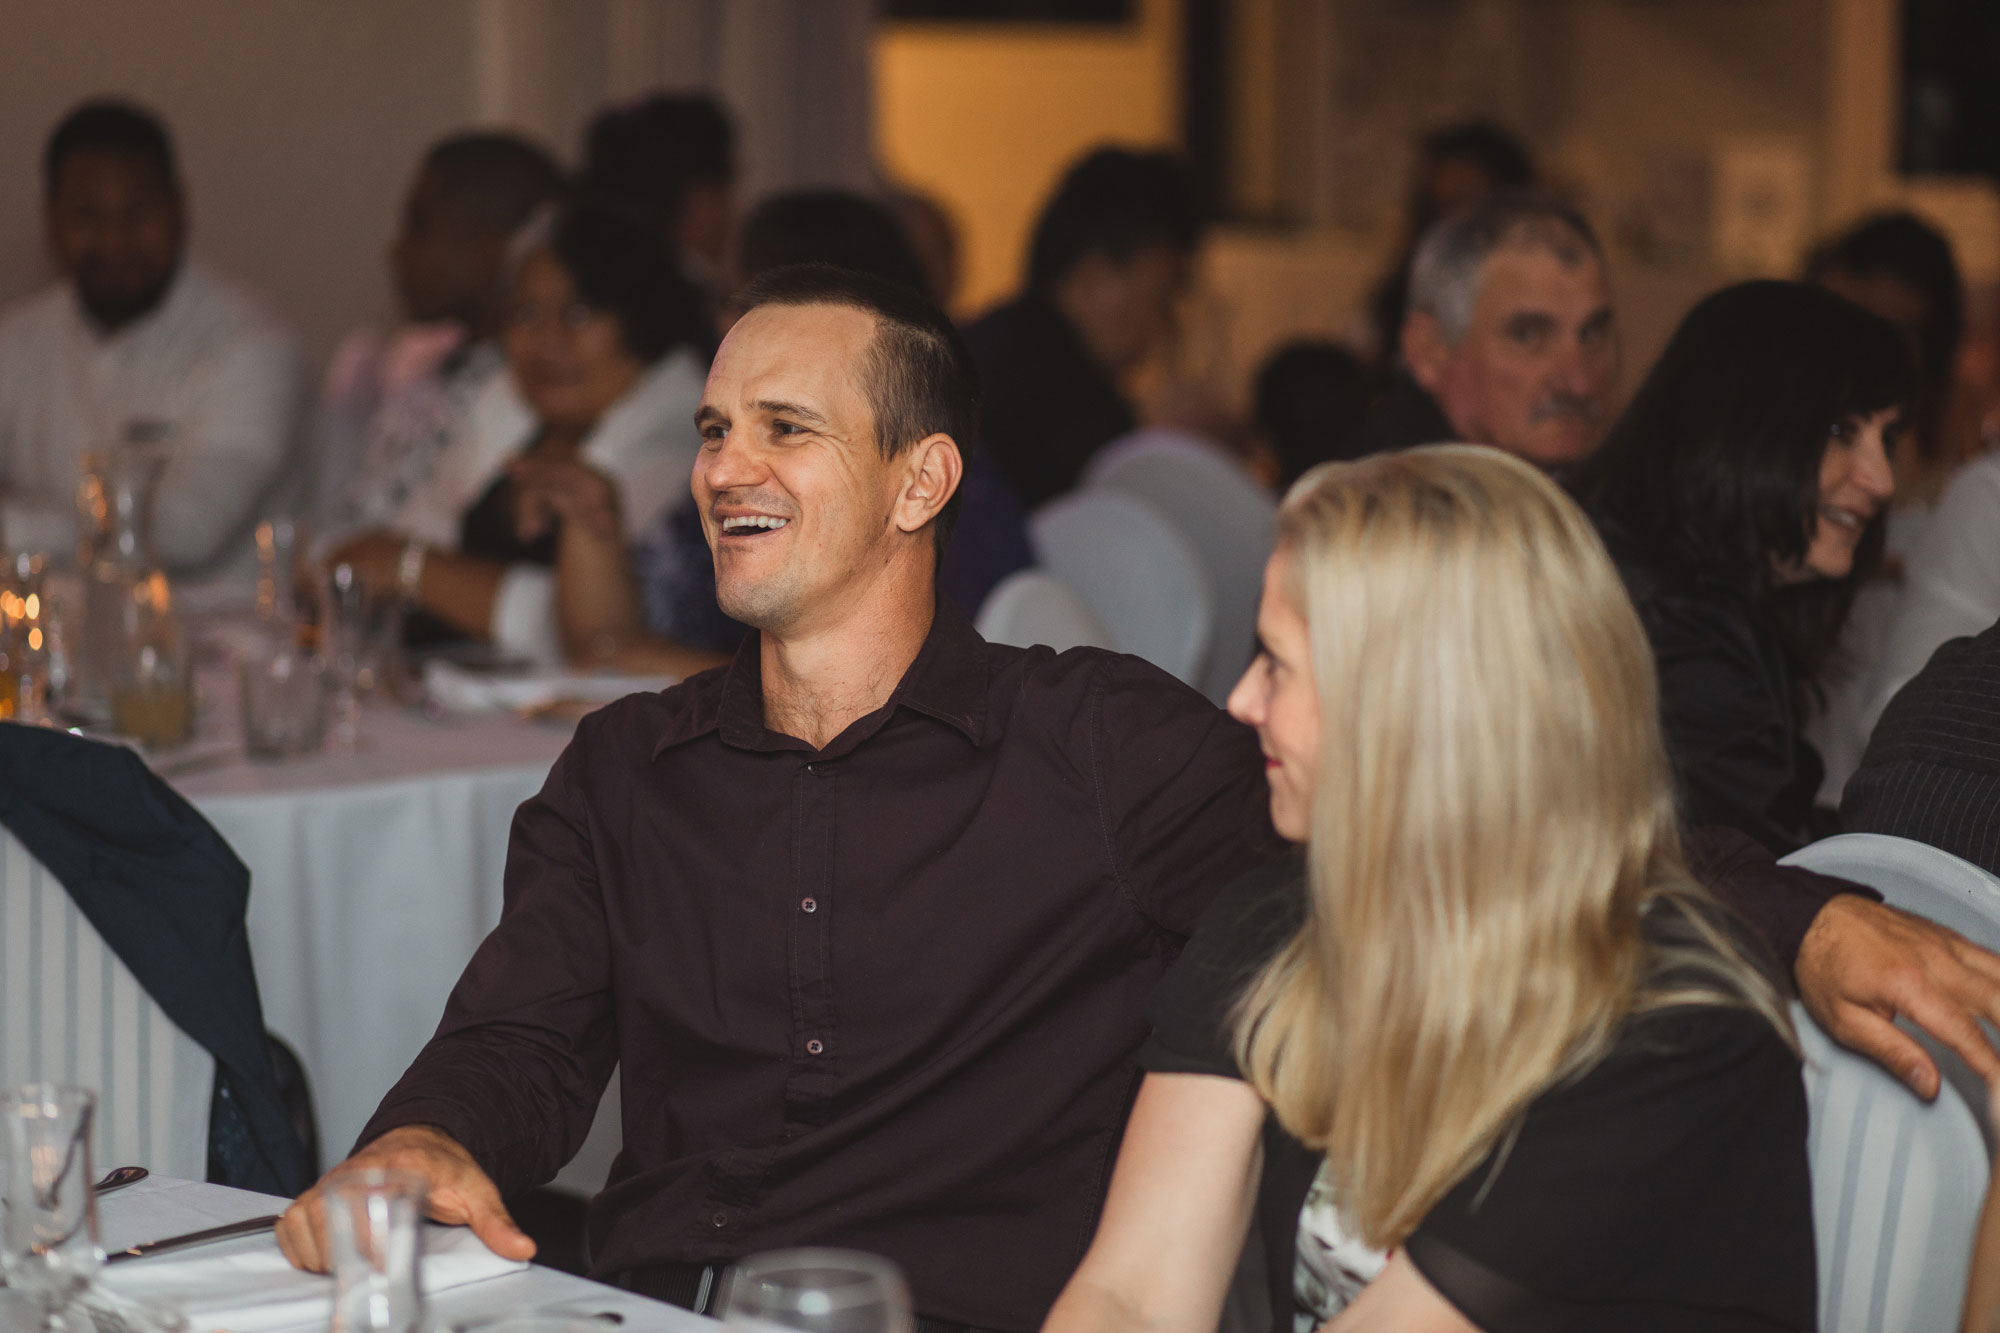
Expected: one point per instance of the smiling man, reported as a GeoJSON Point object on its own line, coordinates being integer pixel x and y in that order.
{"type": "Point", "coordinates": [868, 915]}
{"type": "Point", "coordinates": [1510, 338]}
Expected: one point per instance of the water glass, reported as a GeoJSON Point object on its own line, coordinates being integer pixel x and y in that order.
{"type": "Point", "coordinates": [816, 1291]}
{"type": "Point", "coordinates": [374, 1226]}
{"type": "Point", "coordinates": [48, 1229]}
{"type": "Point", "coordinates": [284, 703]}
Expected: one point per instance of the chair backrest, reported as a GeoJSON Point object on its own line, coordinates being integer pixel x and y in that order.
{"type": "Point", "coordinates": [1032, 606]}
{"type": "Point", "coordinates": [1229, 519]}
{"type": "Point", "coordinates": [1930, 883]}
{"type": "Point", "coordinates": [1897, 1186]}
{"type": "Point", "coordinates": [71, 1012]}
{"type": "Point", "coordinates": [1134, 571]}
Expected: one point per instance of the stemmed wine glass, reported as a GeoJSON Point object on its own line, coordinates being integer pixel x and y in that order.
{"type": "Point", "coordinates": [816, 1291]}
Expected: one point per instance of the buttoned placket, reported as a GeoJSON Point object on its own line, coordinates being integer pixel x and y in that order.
{"type": "Point", "coordinates": [811, 1080]}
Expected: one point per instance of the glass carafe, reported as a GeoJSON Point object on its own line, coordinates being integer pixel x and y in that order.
{"type": "Point", "coordinates": [133, 669]}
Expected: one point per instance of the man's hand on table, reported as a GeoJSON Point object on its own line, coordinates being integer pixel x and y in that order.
{"type": "Point", "coordinates": [1863, 964]}
{"type": "Point", "coordinates": [460, 1194]}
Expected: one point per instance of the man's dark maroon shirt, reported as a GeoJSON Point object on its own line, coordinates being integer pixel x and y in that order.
{"type": "Point", "coordinates": [883, 995]}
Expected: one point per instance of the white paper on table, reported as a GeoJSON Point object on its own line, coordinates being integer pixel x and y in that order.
{"type": "Point", "coordinates": [461, 691]}
{"type": "Point", "coordinates": [246, 1286]}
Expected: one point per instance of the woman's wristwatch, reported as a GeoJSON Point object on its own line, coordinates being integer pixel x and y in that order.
{"type": "Point", "coordinates": [410, 570]}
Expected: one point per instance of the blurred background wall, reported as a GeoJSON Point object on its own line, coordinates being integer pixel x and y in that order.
{"type": "Point", "coordinates": [299, 121]}
{"type": "Point", "coordinates": [1708, 138]}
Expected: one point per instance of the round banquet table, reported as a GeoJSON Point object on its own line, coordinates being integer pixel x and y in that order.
{"type": "Point", "coordinates": [373, 876]}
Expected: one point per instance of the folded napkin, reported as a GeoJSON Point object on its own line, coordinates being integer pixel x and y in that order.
{"type": "Point", "coordinates": [245, 1286]}
{"type": "Point", "coordinates": [458, 690]}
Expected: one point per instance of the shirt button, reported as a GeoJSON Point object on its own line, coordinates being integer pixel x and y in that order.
{"type": "Point", "coordinates": [812, 768]}
{"type": "Point", "coordinates": [720, 1219]}
{"type": "Point", "coordinates": [808, 904]}
{"type": "Point", "coordinates": [815, 1047]}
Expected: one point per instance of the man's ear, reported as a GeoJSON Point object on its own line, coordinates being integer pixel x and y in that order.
{"type": "Point", "coordinates": [1425, 351]}
{"type": "Point", "coordinates": [930, 477]}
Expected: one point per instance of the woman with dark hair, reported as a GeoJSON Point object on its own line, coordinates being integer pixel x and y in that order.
{"type": "Point", "coordinates": [1742, 495]}
{"type": "Point", "coordinates": [607, 348]}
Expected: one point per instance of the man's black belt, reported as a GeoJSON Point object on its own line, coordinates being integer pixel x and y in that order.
{"type": "Point", "coordinates": [697, 1286]}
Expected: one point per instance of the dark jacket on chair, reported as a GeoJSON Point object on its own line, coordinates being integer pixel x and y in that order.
{"type": "Point", "coordinates": [168, 896]}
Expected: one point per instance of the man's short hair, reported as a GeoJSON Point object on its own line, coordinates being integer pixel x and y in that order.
{"type": "Point", "coordinates": [498, 179]}
{"type": "Point", "coordinates": [647, 154]}
{"type": "Point", "coordinates": [1451, 259]}
{"type": "Point", "coordinates": [109, 126]}
{"type": "Point", "coordinates": [921, 380]}
{"type": "Point", "coordinates": [1111, 203]}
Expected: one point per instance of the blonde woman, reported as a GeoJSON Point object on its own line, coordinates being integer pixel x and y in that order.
{"type": "Point", "coordinates": [1484, 1057]}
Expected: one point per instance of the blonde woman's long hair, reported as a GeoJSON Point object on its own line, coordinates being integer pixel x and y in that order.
{"type": "Point", "coordinates": [1492, 816]}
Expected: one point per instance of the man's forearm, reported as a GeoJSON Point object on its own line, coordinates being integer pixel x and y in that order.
{"type": "Point", "coordinates": [1779, 902]}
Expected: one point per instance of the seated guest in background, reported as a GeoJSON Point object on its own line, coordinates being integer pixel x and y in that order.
{"type": "Point", "coordinates": [606, 346]}
{"type": "Point", "coordinates": [1524, 1072]}
{"type": "Point", "coordinates": [866, 917]}
{"type": "Point", "coordinates": [648, 619]}
{"type": "Point", "coordinates": [1509, 339]}
{"type": "Point", "coordinates": [1899, 267]}
{"type": "Point", "coordinates": [391, 406]}
{"type": "Point", "coordinates": [1742, 494]}
{"type": "Point", "coordinates": [1309, 398]}
{"type": "Point", "coordinates": [1932, 770]}
{"type": "Point", "coordinates": [136, 342]}
{"type": "Point", "coordinates": [1457, 166]}
{"type": "Point", "coordinates": [1110, 257]}
{"type": "Point", "coordinates": [934, 237]}
{"type": "Point", "coordinates": [671, 157]}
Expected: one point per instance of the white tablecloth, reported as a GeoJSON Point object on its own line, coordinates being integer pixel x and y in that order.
{"type": "Point", "coordinates": [156, 1208]}
{"type": "Point", "coordinates": [373, 876]}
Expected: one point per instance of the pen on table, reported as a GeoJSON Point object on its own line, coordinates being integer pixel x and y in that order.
{"type": "Point", "coordinates": [151, 1247]}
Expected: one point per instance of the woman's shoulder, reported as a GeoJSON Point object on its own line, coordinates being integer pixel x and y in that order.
{"type": "Point", "coordinates": [1242, 930]}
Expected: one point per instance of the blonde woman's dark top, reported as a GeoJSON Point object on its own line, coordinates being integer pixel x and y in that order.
{"type": "Point", "coordinates": [1663, 1190]}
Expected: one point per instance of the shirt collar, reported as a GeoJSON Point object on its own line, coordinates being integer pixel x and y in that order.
{"type": "Point", "coordinates": [168, 312]}
{"type": "Point", "coordinates": [947, 681]}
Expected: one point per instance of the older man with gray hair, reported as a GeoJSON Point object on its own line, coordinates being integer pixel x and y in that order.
{"type": "Point", "coordinates": [1509, 339]}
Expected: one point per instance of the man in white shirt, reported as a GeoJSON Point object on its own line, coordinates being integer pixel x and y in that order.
{"type": "Point", "coordinates": [134, 342]}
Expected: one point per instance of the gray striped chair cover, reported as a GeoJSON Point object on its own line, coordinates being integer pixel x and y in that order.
{"type": "Point", "coordinates": [1897, 1184]}
{"type": "Point", "coordinates": [71, 1012]}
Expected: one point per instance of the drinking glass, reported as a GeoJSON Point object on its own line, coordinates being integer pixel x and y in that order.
{"type": "Point", "coordinates": [284, 702]}
{"type": "Point", "coordinates": [48, 1229]}
{"type": "Point", "coordinates": [374, 1225]}
{"type": "Point", "coordinates": [816, 1291]}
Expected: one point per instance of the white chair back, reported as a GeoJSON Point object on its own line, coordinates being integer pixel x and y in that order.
{"type": "Point", "coordinates": [1930, 883]}
{"type": "Point", "coordinates": [1896, 1186]}
{"type": "Point", "coordinates": [1229, 519]}
{"type": "Point", "coordinates": [71, 1012]}
{"type": "Point", "coordinates": [1032, 606]}
{"type": "Point", "coordinates": [1134, 571]}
